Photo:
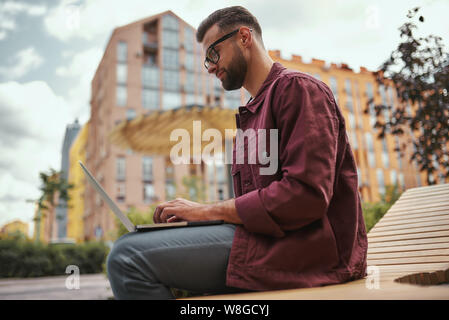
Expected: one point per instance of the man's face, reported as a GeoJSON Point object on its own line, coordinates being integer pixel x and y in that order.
{"type": "Point", "coordinates": [232, 67]}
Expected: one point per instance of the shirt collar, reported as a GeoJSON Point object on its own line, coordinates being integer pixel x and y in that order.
{"type": "Point", "coordinates": [253, 105]}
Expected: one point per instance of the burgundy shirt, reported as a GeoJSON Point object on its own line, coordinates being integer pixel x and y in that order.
{"type": "Point", "coordinates": [302, 226]}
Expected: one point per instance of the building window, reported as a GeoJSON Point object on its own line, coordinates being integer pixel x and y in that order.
{"type": "Point", "coordinates": [189, 84]}
{"type": "Point", "coordinates": [148, 193]}
{"type": "Point", "coordinates": [150, 77]}
{"type": "Point", "coordinates": [170, 39]}
{"type": "Point", "coordinates": [380, 181]}
{"type": "Point", "coordinates": [147, 169]}
{"type": "Point", "coordinates": [170, 23]}
{"type": "Point", "coordinates": [370, 146]}
{"type": "Point", "coordinates": [121, 194]}
{"type": "Point", "coordinates": [385, 158]}
{"type": "Point", "coordinates": [122, 51]}
{"type": "Point", "coordinates": [170, 59]}
{"type": "Point", "coordinates": [189, 62]}
{"type": "Point", "coordinates": [355, 144]}
{"type": "Point", "coordinates": [130, 114]}
{"type": "Point", "coordinates": [401, 180]}
{"type": "Point", "coordinates": [334, 87]}
{"type": "Point", "coordinates": [393, 177]}
{"type": "Point", "coordinates": [121, 96]}
{"type": "Point", "coordinates": [122, 73]}
{"type": "Point", "coordinates": [120, 168]}
{"type": "Point", "coordinates": [189, 40]}
{"type": "Point", "coordinates": [191, 99]}
{"type": "Point", "coordinates": [358, 106]}
{"type": "Point", "coordinates": [171, 80]}
{"type": "Point", "coordinates": [398, 152]}
{"type": "Point", "coordinates": [359, 178]}
{"type": "Point", "coordinates": [170, 191]}
{"type": "Point", "coordinates": [372, 111]}
{"type": "Point", "coordinates": [150, 99]}
{"type": "Point", "coordinates": [171, 100]}
{"type": "Point", "coordinates": [232, 99]}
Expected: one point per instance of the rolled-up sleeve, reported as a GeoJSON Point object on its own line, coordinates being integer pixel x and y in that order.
{"type": "Point", "coordinates": [305, 114]}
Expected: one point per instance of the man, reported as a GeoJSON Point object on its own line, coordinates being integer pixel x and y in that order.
{"type": "Point", "coordinates": [300, 227]}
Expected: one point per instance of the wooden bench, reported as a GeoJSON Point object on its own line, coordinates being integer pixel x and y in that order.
{"type": "Point", "coordinates": [408, 255]}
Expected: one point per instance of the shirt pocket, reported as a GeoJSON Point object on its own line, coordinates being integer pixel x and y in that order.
{"type": "Point", "coordinates": [236, 179]}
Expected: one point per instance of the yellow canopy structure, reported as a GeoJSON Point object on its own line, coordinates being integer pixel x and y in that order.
{"type": "Point", "coordinates": [150, 133]}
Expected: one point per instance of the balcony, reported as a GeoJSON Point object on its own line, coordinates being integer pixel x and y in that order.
{"type": "Point", "coordinates": [150, 46]}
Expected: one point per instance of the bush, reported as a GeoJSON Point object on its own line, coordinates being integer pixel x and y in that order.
{"type": "Point", "coordinates": [137, 217]}
{"type": "Point", "coordinates": [373, 212]}
{"type": "Point", "coordinates": [23, 258]}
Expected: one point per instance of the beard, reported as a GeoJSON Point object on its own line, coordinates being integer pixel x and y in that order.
{"type": "Point", "coordinates": [236, 72]}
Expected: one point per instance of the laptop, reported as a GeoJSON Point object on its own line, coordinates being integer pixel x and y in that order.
{"type": "Point", "coordinates": [143, 227]}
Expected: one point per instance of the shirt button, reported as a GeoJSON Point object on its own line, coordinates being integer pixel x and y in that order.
{"type": "Point", "coordinates": [244, 111]}
{"type": "Point", "coordinates": [247, 183]}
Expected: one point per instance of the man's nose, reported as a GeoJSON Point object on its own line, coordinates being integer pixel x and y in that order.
{"type": "Point", "coordinates": [212, 68]}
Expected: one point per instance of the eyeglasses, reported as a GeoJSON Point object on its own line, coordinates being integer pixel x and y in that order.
{"type": "Point", "coordinates": [212, 56]}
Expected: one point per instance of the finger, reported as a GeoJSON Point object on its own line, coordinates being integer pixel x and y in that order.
{"type": "Point", "coordinates": [174, 219]}
{"type": "Point", "coordinates": [166, 213]}
{"type": "Point", "coordinates": [158, 211]}
{"type": "Point", "coordinates": [156, 214]}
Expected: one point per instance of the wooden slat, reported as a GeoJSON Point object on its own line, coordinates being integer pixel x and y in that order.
{"type": "Point", "coordinates": [436, 187]}
{"type": "Point", "coordinates": [407, 242]}
{"type": "Point", "coordinates": [421, 190]}
{"type": "Point", "coordinates": [397, 261]}
{"type": "Point", "coordinates": [409, 254]}
{"type": "Point", "coordinates": [414, 206]}
{"type": "Point", "coordinates": [423, 235]}
{"type": "Point", "coordinates": [410, 221]}
{"type": "Point", "coordinates": [392, 212]}
{"type": "Point", "coordinates": [424, 200]}
{"type": "Point", "coordinates": [415, 214]}
{"type": "Point", "coordinates": [410, 268]}
{"type": "Point", "coordinates": [431, 229]}
{"type": "Point", "coordinates": [428, 246]}
{"type": "Point", "coordinates": [410, 225]}
{"type": "Point", "coordinates": [424, 195]}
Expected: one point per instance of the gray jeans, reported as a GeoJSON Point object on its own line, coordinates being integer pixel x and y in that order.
{"type": "Point", "coordinates": [145, 265]}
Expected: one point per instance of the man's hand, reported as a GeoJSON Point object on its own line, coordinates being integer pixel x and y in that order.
{"type": "Point", "coordinates": [184, 210]}
{"type": "Point", "coordinates": [181, 209]}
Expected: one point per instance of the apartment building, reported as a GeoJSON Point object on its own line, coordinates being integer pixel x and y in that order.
{"type": "Point", "coordinates": [151, 64]}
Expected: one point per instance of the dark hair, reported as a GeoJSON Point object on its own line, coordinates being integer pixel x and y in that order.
{"type": "Point", "coordinates": [227, 19]}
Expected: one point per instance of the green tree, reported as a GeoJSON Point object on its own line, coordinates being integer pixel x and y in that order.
{"type": "Point", "coordinates": [374, 211]}
{"type": "Point", "coordinates": [195, 189]}
{"type": "Point", "coordinates": [136, 217]}
{"type": "Point", "coordinates": [419, 69]}
{"type": "Point", "coordinates": [51, 183]}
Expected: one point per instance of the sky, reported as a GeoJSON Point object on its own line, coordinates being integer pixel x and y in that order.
{"type": "Point", "coordinates": [50, 49]}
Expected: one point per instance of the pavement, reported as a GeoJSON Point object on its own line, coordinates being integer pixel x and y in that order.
{"type": "Point", "coordinates": [91, 287]}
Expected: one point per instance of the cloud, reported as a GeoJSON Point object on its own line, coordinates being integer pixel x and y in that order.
{"type": "Point", "coordinates": [97, 18]}
{"type": "Point", "coordinates": [32, 125]}
{"type": "Point", "coordinates": [9, 10]}
{"type": "Point", "coordinates": [25, 61]}
{"type": "Point", "coordinates": [81, 69]}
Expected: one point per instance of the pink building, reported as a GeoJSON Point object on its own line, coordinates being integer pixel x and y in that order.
{"type": "Point", "coordinates": [151, 64]}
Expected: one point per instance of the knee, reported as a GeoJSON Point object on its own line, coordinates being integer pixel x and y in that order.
{"type": "Point", "coordinates": [117, 258]}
